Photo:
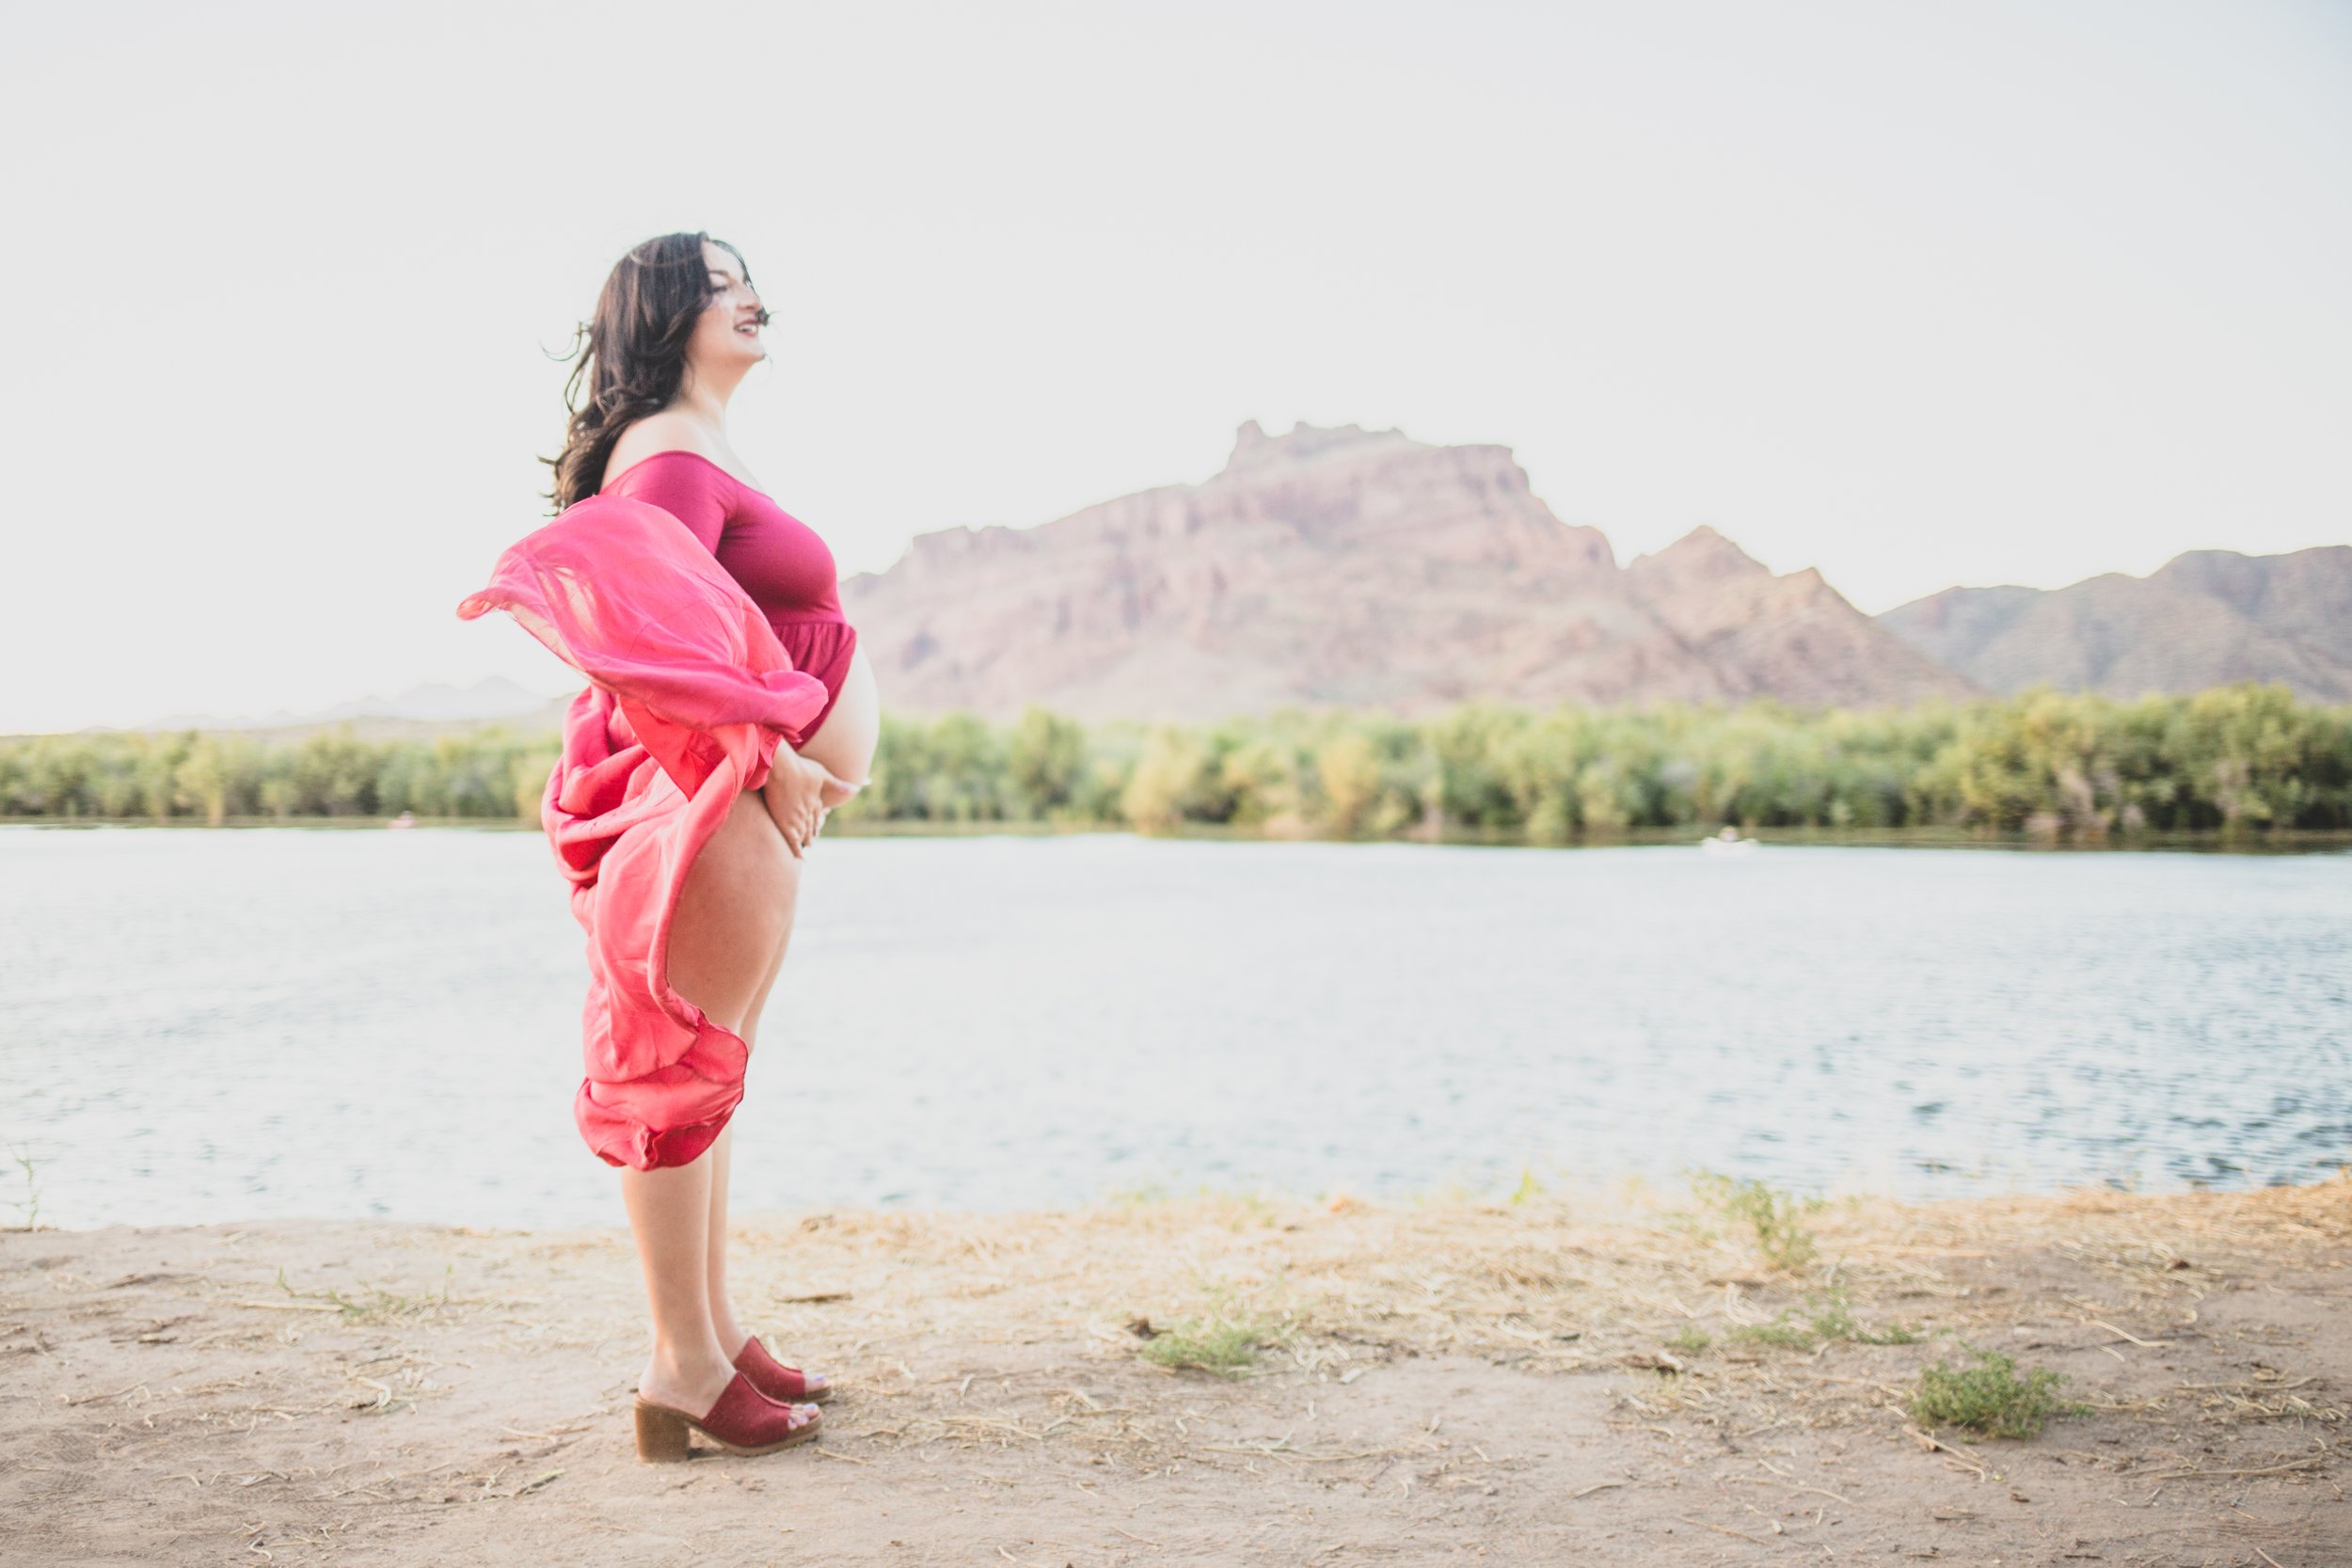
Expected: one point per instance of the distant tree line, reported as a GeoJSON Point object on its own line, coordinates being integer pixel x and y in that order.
{"type": "Point", "coordinates": [214, 775]}
{"type": "Point", "coordinates": [2237, 758]}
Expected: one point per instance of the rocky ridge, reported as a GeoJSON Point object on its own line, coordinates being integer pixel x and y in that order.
{"type": "Point", "coordinates": [2204, 619]}
{"type": "Point", "coordinates": [1347, 567]}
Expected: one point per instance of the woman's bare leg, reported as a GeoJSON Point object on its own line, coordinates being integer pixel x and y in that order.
{"type": "Point", "coordinates": [669, 1210]}
{"type": "Point", "coordinates": [732, 917]}
{"type": "Point", "coordinates": [729, 1333]}
{"type": "Point", "coordinates": [722, 1320]}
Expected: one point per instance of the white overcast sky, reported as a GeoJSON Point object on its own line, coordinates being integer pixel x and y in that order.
{"type": "Point", "coordinates": [1917, 294]}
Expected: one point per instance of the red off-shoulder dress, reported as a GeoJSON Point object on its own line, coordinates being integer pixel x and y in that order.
{"type": "Point", "coordinates": [695, 678]}
{"type": "Point", "coordinates": [777, 559]}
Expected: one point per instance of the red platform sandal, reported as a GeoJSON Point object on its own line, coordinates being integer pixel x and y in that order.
{"type": "Point", "coordinates": [744, 1420]}
{"type": "Point", "coordinates": [778, 1381]}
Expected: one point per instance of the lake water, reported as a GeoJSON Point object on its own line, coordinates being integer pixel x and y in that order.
{"type": "Point", "coordinates": [202, 1026]}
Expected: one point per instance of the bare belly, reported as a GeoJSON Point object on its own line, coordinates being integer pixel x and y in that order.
{"type": "Point", "coordinates": [844, 743]}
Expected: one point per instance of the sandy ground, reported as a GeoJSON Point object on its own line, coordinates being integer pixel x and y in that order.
{"type": "Point", "coordinates": [1448, 1380]}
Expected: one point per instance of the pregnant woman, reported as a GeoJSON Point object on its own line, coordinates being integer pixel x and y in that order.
{"type": "Point", "coordinates": [729, 709]}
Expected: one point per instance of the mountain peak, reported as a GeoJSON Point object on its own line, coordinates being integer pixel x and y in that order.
{"type": "Point", "coordinates": [1253, 448]}
{"type": "Point", "coordinates": [1700, 554]}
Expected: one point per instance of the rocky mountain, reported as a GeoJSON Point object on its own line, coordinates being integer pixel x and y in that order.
{"type": "Point", "coordinates": [1347, 567]}
{"type": "Point", "coordinates": [1792, 637]}
{"type": "Point", "coordinates": [2204, 619]}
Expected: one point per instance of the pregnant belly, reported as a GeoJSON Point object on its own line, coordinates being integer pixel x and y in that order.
{"type": "Point", "coordinates": [844, 743]}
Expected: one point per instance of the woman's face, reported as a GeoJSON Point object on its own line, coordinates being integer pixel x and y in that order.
{"type": "Point", "coordinates": [727, 336]}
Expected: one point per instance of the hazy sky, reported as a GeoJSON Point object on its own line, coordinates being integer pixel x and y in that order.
{"type": "Point", "coordinates": [1916, 294]}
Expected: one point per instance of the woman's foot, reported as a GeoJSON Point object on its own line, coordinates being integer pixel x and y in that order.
{"type": "Point", "coordinates": [776, 1380]}
{"type": "Point", "coordinates": [740, 1420]}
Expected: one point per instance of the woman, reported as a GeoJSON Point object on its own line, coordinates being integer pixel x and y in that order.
{"type": "Point", "coordinates": [674, 810]}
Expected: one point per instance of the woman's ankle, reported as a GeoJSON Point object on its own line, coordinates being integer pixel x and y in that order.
{"type": "Point", "coordinates": [689, 1378]}
{"type": "Point", "coordinates": [730, 1334]}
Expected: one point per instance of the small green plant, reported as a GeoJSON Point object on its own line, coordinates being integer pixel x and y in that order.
{"type": "Point", "coordinates": [1831, 1320]}
{"type": "Point", "coordinates": [1836, 1321]}
{"type": "Point", "coordinates": [30, 1206]}
{"type": "Point", "coordinates": [1777, 1217]}
{"type": "Point", "coordinates": [1221, 1340]}
{"type": "Point", "coordinates": [1780, 1331]}
{"type": "Point", "coordinates": [1528, 1186]}
{"type": "Point", "coordinates": [1225, 1349]}
{"type": "Point", "coordinates": [1990, 1398]}
{"type": "Point", "coordinates": [1690, 1341]}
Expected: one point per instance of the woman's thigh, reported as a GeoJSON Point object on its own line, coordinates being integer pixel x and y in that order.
{"type": "Point", "coordinates": [734, 913]}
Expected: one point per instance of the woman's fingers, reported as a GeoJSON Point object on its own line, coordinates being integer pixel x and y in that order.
{"type": "Point", "coordinates": [833, 789]}
{"type": "Point", "coordinates": [801, 820]}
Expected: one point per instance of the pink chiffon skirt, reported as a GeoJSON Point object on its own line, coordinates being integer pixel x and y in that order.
{"type": "Point", "coordinates": [690, 693]}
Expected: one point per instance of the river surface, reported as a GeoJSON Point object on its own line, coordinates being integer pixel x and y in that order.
{"type": "Point", "coordinates": [200, 1026]}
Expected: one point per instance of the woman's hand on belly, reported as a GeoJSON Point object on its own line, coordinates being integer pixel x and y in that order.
{"type": "Point", "coordinates": [798, 793]}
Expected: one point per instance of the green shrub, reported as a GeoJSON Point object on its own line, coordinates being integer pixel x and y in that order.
{"type": "Point", "coordinates": [1220, 1341]}
{"type": "Point", "coordinates": [1225, 1349]}
{"type": "Point", "coordinates": [1990, 1398]}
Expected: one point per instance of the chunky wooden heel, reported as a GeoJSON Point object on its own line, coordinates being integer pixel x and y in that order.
{"type": "Point", "coordinates": [661, 1435]}
{"type": "Point", "coordinates": [744, 1420]}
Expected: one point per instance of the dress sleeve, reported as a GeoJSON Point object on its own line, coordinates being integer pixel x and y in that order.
{"type": "Point", "coordinates": [687, 487]}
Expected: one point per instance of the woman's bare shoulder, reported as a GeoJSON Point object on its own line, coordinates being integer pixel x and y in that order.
{"type": "Point", "coordinates": [668, 431]}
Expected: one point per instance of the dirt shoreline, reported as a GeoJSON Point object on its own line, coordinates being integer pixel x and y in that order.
{"type": "Point", "coordinates": [1548, 1381]}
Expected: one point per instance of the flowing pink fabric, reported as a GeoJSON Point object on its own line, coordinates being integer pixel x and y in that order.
{"type": "Point", "coordinates": [690, 694]}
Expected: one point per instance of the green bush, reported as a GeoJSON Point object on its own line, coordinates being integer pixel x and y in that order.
{"type": "Point", "coordinates": [1222, 1339]}
{"type": "Point", "coordinates": [1990, 1398]}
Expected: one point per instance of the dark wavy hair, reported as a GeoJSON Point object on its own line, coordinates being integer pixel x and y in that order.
{"type": "Point", "coordinates": [632, 353]}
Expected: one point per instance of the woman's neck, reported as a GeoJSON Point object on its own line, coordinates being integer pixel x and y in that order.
{"type": "Point", "coordinates": [703, 401]}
